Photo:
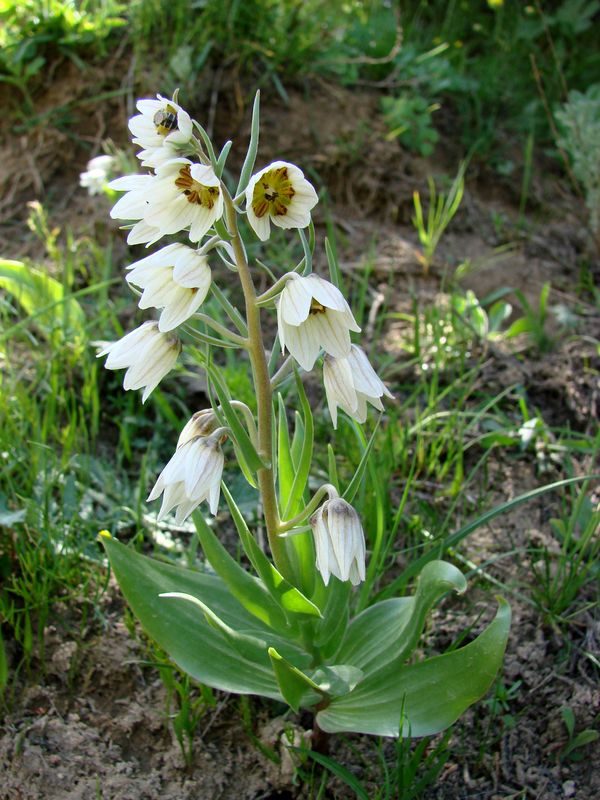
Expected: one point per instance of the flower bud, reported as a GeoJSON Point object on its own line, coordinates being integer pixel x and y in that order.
{"type": "Point", "coordinates": [147, 354]}
{"type": "Point", "coordinates": [339, 542]}
{"type": "Point", "coordinates": [192, 475]}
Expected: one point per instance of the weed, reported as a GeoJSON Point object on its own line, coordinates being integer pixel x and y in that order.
{"type": "Point", "coordinates": [563, 572]}
{"type": "Point", "coordinates": [573, 749]}
{"type": "Point", "coordinates": [441, 209]}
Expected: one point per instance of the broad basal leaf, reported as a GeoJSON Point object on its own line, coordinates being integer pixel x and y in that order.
{"type": "Point", "coordinates": [194, 644]}
{"type": "Point", "coordinates": [389, 631]}
{"type": "Point", "coordinates": [426, 697]}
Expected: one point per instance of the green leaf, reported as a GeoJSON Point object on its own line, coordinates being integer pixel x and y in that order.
{"type": "Point", "coordinates": [428, 696]}
{"type": "Point", "coordinates": [389, 631]}
{"type": "Point", "coordinates": [285, 466]}
{"type": "Point", "coordinates": [334, 268]}
{"type": "Point", "coordinates": [291, 599]}
{"type": "Point", "coordinates": [522, 325]}
{"type": "Point", "coordinates": [338, 679]}
{"type": "Point", "coordinates": [58, 315]}
{"type": "Point", "coordinates": [223, 158]}
{"type": "Point", "coordinates": [373, 630]}
{"type": "Point", "coordinates": [242, 441]}
{"type": "Point", "coordinates": [250, 159]}
{"type": "Point", "coordinates": [249, 647]}
{"type": "Point", "coordinates": [296, 687]}
{"type": "Point", "coordinates": [334, 600]}
{"type": "Point", "coordinates": [250, 592]}
{"type": "Point", "coordinates": [300, 548]}
{"type": "Point", "coordinates": [336, 769]}
{"type": "Point", "coordinates": [354, 484]}
{"type": "Point", "coordinates": [191, 642]}
{"type": "Point", "coordinates": [302, 471]}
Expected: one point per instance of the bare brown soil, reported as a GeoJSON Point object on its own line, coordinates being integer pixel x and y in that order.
{"type": "Point", "coordinates": [95, 725]}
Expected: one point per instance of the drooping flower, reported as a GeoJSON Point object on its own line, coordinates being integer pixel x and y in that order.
{"type": "Point", "coordinates": [146, 353]}
{"type": "Point", "coordinates": [202, 423]}
{"type": "Point", "coordinates": [192, 475]}
{"type": "Point", "coordinates": [95, 178]}
{"type": "Point", "coordinates": [312, 313]}
{"type": "Point", "coordinates": [161, 129]}
{"type": "Point", "coordinates": [351, 383]}
{"type": "Point", "coordinates": [279, 194]}
{"type": "Point", "coordinates": [339, 542]}
{"type": "Point", "coordinates": [176, 279]}
{"type": "Point", "coordinates": [181, 195]}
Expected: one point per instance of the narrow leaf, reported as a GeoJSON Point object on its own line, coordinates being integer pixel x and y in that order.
{"type": "Point", "coordinates": [354, 484]}
{"type": "Point", "coordinates": [291, 599]}
{"type": "Point", "coordinates": [250, 159]}
{"type": "Point", "coordinates": [250, 592]}
{"type": "Point", "coordinates": [285, 467]}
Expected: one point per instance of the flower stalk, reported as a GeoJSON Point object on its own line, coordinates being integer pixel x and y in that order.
{"type": "Point", "coordinates": [264, 395]}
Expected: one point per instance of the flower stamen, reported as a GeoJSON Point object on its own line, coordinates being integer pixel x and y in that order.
{"type": "Point", "coordinates": [194, 191]}
{"type": "Point", "coordinates": [316, 307]}
{"type": "Point", "coordinates": [273, 194]}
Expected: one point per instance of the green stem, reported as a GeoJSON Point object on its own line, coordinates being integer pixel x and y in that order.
{"type": "Point", "coordinates": [222, 330]}
{"type": "Point", "coordinates": [264, 397]}
{"type": "Point", "coordinates": [327, 488]}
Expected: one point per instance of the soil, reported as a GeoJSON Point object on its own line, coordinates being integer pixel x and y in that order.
{"type": "Point", "coordinates": [95, 723]}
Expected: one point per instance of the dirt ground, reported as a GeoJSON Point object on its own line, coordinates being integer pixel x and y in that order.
{"type": "Point", "coordinates": [95, 725]}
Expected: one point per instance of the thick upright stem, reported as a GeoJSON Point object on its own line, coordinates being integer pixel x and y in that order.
{"type": "Point", "coordinates": [264, 396]}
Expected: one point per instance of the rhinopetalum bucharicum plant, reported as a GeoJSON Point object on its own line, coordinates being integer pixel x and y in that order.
{"type": "Point", "coordinates": [285, 632]}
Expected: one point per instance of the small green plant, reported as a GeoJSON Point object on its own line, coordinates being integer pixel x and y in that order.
{"type": "Point", "coordinates": [187, 704]}
{"type": "Point", "coordinates": [409, 119]}
{"type": "Point", "coordinates": [533, 322]}
{"type": "Point", "coordinates": [414, 767]}
{"type": "Point", "coordinates": [561, 574]}
{"type": "Point", "coordinates": [579, 135]}
{"type": "Point", "coordinates": [499, 703]}
{"type": "Point", "coordinates": [441, 209]}
{"type": "Point", "coordinates": [32, 31]}
{"type": "Point", "coordinates": [577, 741]}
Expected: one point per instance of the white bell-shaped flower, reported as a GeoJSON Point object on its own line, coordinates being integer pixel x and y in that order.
{"type": "Point", "coordinates": [339, 542]}
{"type": "Point", "coordinates": [161, 128]}
{"type": "Point", "coordinates": [146, 353]}
{"type": "Point", "coordinates": [312, 313]}
{"type": "Point", "coordinates": [96, 174]}
{"type": "Point", "coordinates": [192, 475]}
{"type": "Point", "coordinates": [176, 279]}
{"type": "Point", "coordinates": [279, 194]}
{"type": "Point", "coordinates": [182, 195]}
{"type": "Point", "coordinates": [351, 383]}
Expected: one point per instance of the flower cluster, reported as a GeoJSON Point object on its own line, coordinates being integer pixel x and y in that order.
{"type": "Point", "coordinates": [181, 194]}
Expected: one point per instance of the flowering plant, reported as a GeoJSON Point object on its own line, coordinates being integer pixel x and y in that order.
{"type": "Point", "coordinates": [286, 631]}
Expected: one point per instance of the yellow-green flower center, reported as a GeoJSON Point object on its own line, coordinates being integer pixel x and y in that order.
{"type": "Point", "coordinates": [316, 307]}
{"type": "Point", "coordinates": [273, 193]}
{"type": "Point", "coordinates": [195, 192]}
